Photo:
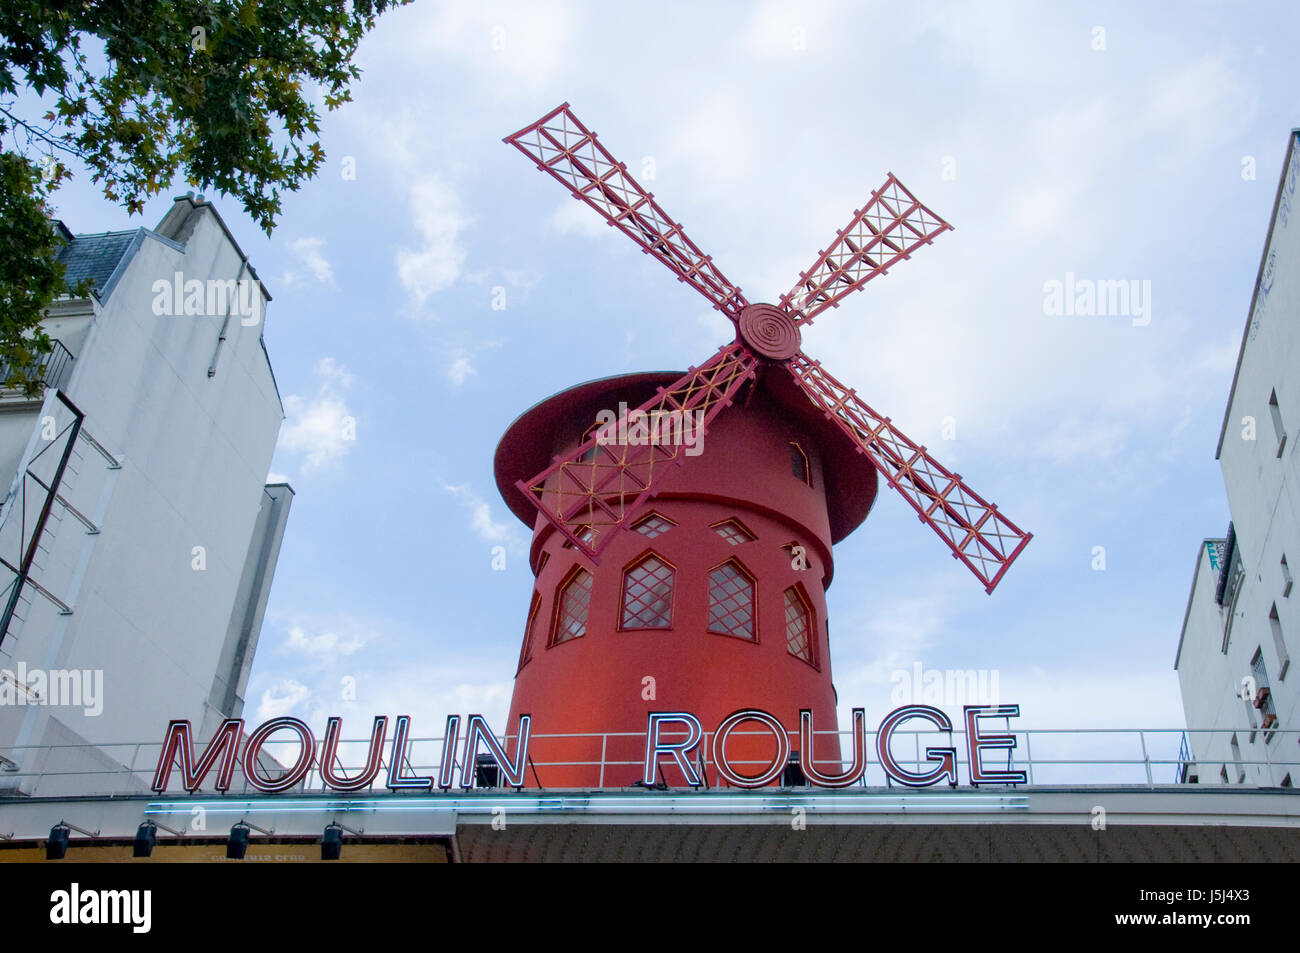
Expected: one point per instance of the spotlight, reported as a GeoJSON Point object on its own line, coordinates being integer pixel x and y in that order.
{"type": "Point", "coordinates": [56, 848]}
{"type": "Point", "coordinates": [145, 838]}
{"type": "Point", "coordinates": [331, 845]}
{"type": "Point", "coordinates": [237, 845]}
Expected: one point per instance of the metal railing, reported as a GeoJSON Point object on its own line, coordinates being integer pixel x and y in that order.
{"type": "Point", "coordinates": [1076, 757]}
{"type": "Point", "coordinates": [53, 368]}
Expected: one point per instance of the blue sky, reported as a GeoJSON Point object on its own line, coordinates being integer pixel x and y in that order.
{"type": "Point", "coordinates": [768, 125]}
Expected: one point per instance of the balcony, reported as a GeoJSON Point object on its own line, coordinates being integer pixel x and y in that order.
{"type": "Point", "coordinates": [53, 369]}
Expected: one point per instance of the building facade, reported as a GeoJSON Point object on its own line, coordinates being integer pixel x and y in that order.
{"type": "Point", "coordinates": [1243, 615]}
{"type": "Point", "coordinates": [138, 536]}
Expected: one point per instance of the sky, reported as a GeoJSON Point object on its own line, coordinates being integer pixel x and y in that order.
{"type": "Point", "coordinates": [1102, 141]}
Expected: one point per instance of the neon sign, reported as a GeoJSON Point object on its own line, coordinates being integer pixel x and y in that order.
{"type": "Point", "coordinates": [676, 737]}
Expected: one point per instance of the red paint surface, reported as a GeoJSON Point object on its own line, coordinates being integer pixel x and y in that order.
{"type": "Point", "coordinates": [597, 682]}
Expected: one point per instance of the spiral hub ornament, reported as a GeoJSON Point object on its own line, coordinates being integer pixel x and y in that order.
{"type": "Point", "coordinates": [769, 332]}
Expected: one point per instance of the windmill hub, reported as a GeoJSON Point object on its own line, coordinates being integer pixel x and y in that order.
{"type": "Point", "coordinates": [769, 331]}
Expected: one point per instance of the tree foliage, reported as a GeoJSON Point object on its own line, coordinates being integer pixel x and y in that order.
{"type": "Point", "coordinates": [225, 94]}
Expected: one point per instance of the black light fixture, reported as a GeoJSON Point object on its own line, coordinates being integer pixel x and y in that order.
{"type": "Point", "coordinates": [331, 845]}
{"type": "Point", "coordinates": [792, 776]}
{"type": "Point", "coordinates": [146, 837]}
{"type": "Point", "coordinates": [487, 773]}
{"type": "Point", "coordinates": [56, 848]}
{"type": "Point", "coordinates": [237, 844]}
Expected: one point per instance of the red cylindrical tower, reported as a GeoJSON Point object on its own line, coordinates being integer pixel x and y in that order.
{"type": "Point", "coordinates": [713, 601]}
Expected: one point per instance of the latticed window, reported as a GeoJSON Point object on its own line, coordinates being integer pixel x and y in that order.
{"type": "Point", "coordinates": [648, 595]}
{"type": "Point", "coordinates": [584, 533]}
{"type": "Point", "coordinates": [733, 532]}
{"type": "Point", "coordinates": [731, 601]}
{"type": "Point", "coordinates": [799, 463]}
{"type": "Point", "coordinates": [798, 625]}
{"type": "Point", "coordinates": [526, 652]}
{"type": "Point", "coordinates": [654, 525]}
{"type": "Point", "coordinates": [574, 601]}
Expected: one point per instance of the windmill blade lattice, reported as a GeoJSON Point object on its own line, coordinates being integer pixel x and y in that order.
{"type": "Point", "coordinates": [569, 151]}
{"type": "Point", "coordinates": [981, 537]}
{"type": "Point", "coordinates": [884, 231]}
{"type": "Point", "coordinates": [597, 489]}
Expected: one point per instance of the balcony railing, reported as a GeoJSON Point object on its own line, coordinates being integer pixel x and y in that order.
{"type": "Point", "coordinates": [52, 368]}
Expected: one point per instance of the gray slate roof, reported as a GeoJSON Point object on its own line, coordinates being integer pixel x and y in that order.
{"type": "Point", "coordinates": [95, 257]}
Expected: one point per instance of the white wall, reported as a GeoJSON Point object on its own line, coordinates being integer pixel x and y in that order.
{"type": "Point", "coordinates": [195, 452]}
{"type": "Point", "coordinates": [1264, 498]}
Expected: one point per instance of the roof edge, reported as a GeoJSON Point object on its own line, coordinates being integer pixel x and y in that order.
{"type": "Point", "coordinates": [1254, 295]}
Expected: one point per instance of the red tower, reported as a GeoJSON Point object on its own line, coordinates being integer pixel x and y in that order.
{"type": "Point", "coordinates": [682, 549]}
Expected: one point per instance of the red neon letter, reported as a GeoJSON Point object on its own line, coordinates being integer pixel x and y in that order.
{"type": "Point", "coordinates": [224, 745]}
{"type": "Point", "coordinates": [946, 757]}
{"type": "Point", "coordinates": [806, 760]}
{"type": "Point", "coordinates": [334, 728]}
{"type": "Point", "coordinates": [306, 755]}
{"type": "Point", "coordinates": [768, 774]}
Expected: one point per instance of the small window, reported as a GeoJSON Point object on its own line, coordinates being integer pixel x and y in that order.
{"type": "Point", "coordinates": [1283, 659]}
{"type": "Point", "coordinates": [526, 651]}
{"type": "Point", "coordinates": [1286, 578]}
{"type": "Point", "coordinates": [798, 625]}
{"type": "Point", "coordinates": [733, 531]}
{"type": "Point", "coordinates": [542, 559]}
{"type": "Point", "coordinates": [1278, 430]}
{"type": "Point", "coordinates": [799, 463]}
{"type": "Point", "coordinates": [653, 526]}
{"type": "Point", "coordinates": [731, 601]}
{"type": "Point", "coordinates": [571, 607]}
{"type": "Point", "coordinates": [648, 594]}
{"type": "Point", "coordinates": [584, 533]}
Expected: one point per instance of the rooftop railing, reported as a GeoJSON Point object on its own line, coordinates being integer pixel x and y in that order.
{"type": "Point", "coordinates": [1075, 757]}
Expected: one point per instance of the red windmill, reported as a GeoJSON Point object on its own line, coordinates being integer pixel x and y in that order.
{"type": "Point", "coordinates": [596, 487]}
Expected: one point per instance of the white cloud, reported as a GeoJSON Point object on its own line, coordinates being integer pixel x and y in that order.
{"type": "Point", "coordinates": [437, 263]}
{"type": "Point", "coordinates": [308, 253]}
{"type": "Point", "coordinates": [274, 477]}
{"type": "Point", "coordinates": [324, 645]}
{"type": "Point", "coordinates": [461, 367]}
{"type": "Point", "coordinates": [578, 218]}
{"type": "Point", "coordinates": [332, 370]}
{"type": "Point", "coordinates": [481, 522]}
{"type": "Point", "coordinates": [321, 427]}
{"type": "Point", "coordinates": [282, 698]}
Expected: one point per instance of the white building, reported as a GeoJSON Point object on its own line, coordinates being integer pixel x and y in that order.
{"type": "Point", "coordinates": [138, 598]}
{"type": "Point", "coordinates": [1243, 615]}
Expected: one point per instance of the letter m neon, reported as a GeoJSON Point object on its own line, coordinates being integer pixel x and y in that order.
{"type": "Point", "coordinates": [225, 745]}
